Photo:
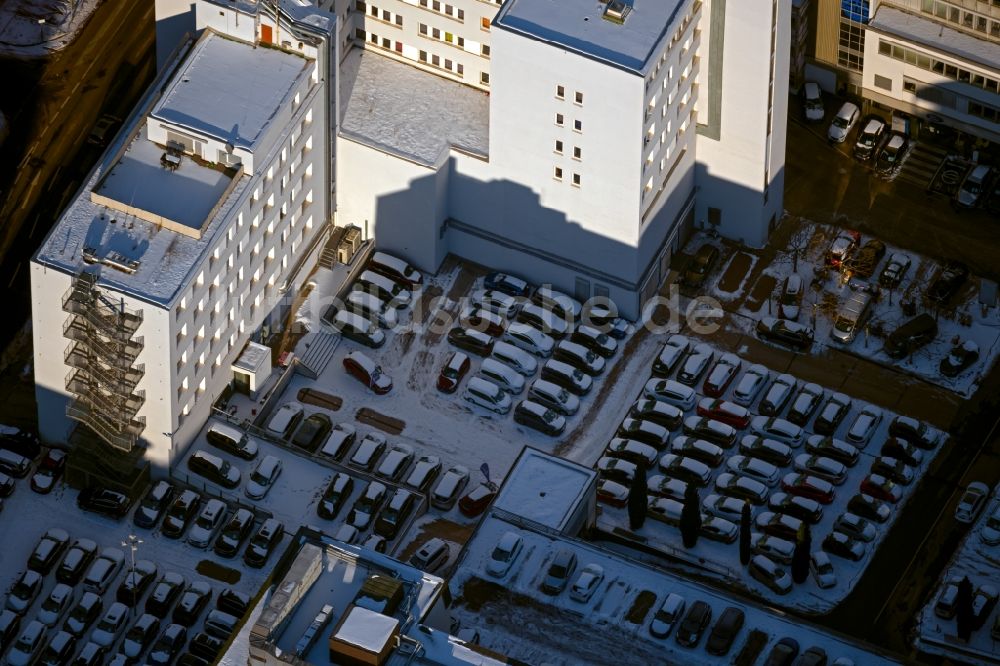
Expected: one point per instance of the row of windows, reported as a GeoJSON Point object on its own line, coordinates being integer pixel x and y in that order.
{"type": "Point", "coordinates": [926, 62]}
{"type": "Point", "coordinates": [445, 63]}
{"type": "Point", "coordinates": [577, 150]}
{"type": "Point", "coordinates": [962, 17]}
{"type": "Point", "coordinates": [984, 111]}
{"type": "Point", "coordinates": [443, 8]}
{"type": "Point", "coordinates": [424, 57]}
{"type": "Point", "coordinates": [381, 15]}
{"type": "Point", "coordinates": [450, 38]}
{"type": "Point", "coordinates": [557, 174]}
{"type": "Point", "coordinates": [561, 122]}
{"type": "Point", "coordinates": [561, 94]}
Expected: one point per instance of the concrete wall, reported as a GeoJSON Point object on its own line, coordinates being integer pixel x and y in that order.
{"type": "Point", "coordinates": [174, 19]}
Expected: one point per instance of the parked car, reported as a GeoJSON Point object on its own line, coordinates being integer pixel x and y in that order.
{"type": "Point", "coordinates": [477, 499]}
{"type": "Point", "coordinates": [192, 603]}
{"type": "Point", "coordinates": [504, 554]}
{"type": "Point", "coordinates": [847, 116]}
{"type": "Point", "coordinates": [166, 591]}
{"type": "Point", "coordinates": [869, 507]}
{"type": "Point", "coordinates": [665, 510]}
{"type": "Point", "coordinates": [724, 633]}
{"type": "Point", "coordinates": [560, 570]}
{"type": "Point", "coordinates": [83, 614]}
{"type": "Point", "coordinates": [76, 560]}
{"type": "Point", "coordinates": [695, 621]}
{"type": "Point", "coordinates": [803, 508]}
{"type": "Point", "coordinates": [776, 548]}
{"type": "Point", "coordinates": [49, 471]}
{"type": "Point", "coordinates": [881, 488]}
{"type": "Point", "coordinates": [893, 469]}
{"type": "Point", "coordinates": [396, 462]}
{"type": "Point", "coordinates": [777, 395]}
{"type": "Point", "coordinates": [741, 487]}
{"type": "Point", "coordinates": [812, 102]}
{"type": "Point", "coordinates": [790, 298]}
{"type": "Point", "coordinates": [48, 550]}
{"type": "Point", "coordinates": [872, 131]}
{"type": "Point", "coordinates": [28, 646]}
{"type": "Point", "coordinates": [153, 504]}
{"type": "Point", "coordinates": [822, 467]}
{"type": "Point", "coordinates": [339, 441]}
{"type": "Point", "coordinates": [895, 270]}
{"type": "Point", "coordinates": [833, 448]}
{"type": "Point", "coordinates": [809, 398]}
{"type": "Point", "coordinates": [949, 280]}
{"type": "Point", "coordinates": [914, 431]}
{"type": "Point", "coordinates": [182, 510]}
{"type": "Point", "coordinates": [540, 418]}
{"type": "Point", "coordinates": [902, 450]}
{"type": "Point", "coordinates": [855, 527]}
{"type": "Point", "coordinates": [111, 625]}
{"type": "Point", "coordinates": [425, 471]}
{"type": "Point", "coordinates": [667, 615]}
{"type": "Point", "coordinates": [773, 427]}
{"type": "Point", "coordinates": [388, 290]}
{"type": "Point", "coordinates": [499, 302]}
{"type": "Point", "coordinates": [232, 440]}
{"type": "Point", "coordinates": [487, 395]}
{"type": "Point", "coordinates": [554, 397]}
{"type": "Point", "coordinates": [558, 302]}
{"type": "Point", "coordinates": [234, 533]}
{"type": "Point", "coordinates": [369, 451]}
{"type": "Point", "coordinates": [579, 357]}
{"type": "Point", "coordinates": [507, 284]}
{"type": "Point", "coordinates": [214, 468]}
{"type": "Point", "coordinates": [695, 365]}
{"type": "Point", "coordinates": [544, 320]}
{"type": "Point", "coordinates": [371, 309]}
{"type": "Point", "coordinates": [971, 503]}
{"type": "Point", "coordinates": [586, 583]}
{"type": "Point", "coordinates": [286, 419]}
{"type": "Point", "coordinates": [721, 375]}
{"type": "Point", "coordinates": [821, 569]}
{"type": "Point", "coordinates": [911, 336]}
{"type": "Point", "coordinates": [841, 545]}
{"type": "Point", "coordinates": [604, 317]}
{"type": "Point", "coordinates": [864, 426]}
{"type": "Point", "coordinates": [368, 372]}
{"type": "Point", "coordinates": [55, 605]}
{"type": "Point", "coordinates": [754, 468]}
{"type": "Point", "coordinates": [714, 431]}
{"type": "Point", "coordinates": [600, 343]}
{"type": "Point", "coordinates": [892, 153]}
{"type": "Point", "coordinates": [140, 636]}
{"type": "Point", "coordinates": [780, 525]}
{"type": "Point", "coordinates": [168, 646]}
{"type": "Point", "coordinates": [842, 248]}
{"type": "Point", "coordinates": [451, 485]}
{"type": "Point", "coordinates": [699, 449]}
{"type": "Point", "coordinates": [395, 514]}
{"type": "Point", "coordinates": [665, 486]}
{"type": "Point", "coordinates": [832, 413]}
{"type": "Point", "coordinates": [567, 376]}
{"type": "Point", "coordinates": [686, 469]}
{"type": "Point", "coordinates": [750, 384]}
{"type": "Point", "coordinates": [805, 485]}
{"type": "Point", "coordinates": [661, 413]}
{"type": "Point", "coordinates": [502, 375]}
{"type": "Point", "coordinates": [207, 524]}
{"type": "Point", "coordinates": [768, 450]}
{"type": "Point", "coordinates": [612, 493]}
{"type": "Point", "coordinates": [644, 431]}
{"type": "Point", "coordinates": [104, 500]}
{"type": "Point", "coordinates": [431, 556]}
{"type": "Point", "coordinates": [313, 432]}
{"type": "Point", "coordinates": [367, 505]}
{"type": "Point", "coordinates": [671, 392]}
{"type": "Point", "coordinates": [615, 469]}
{"type": "Point", "coordinates": [632, 451]}
{"type": "Point", "coordinates": [530, 339]}
{"type": "Point", "coordinates": [472, 341]}
{"type": "Point", "coordinates": [723, 506]}
{"type": "Point", "coordinates": [674, 349]}
{"type": "Point", "coordinates": [959, 359]}
{"type": "Point", "coordinates": [24, 591]}
{"type": "Point", "coordinates": [972, 192]}
{"type": "Point", "coordinates": [104, 570]}
{"type": "Point", "coordinates": [722, 410]}
{"type": "Point", "coordinates": [263, 543]}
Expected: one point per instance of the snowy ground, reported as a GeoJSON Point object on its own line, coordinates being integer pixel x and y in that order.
{"type": "Point", "coordinates": [981, 563]}
{"type": "Point", "coordinates": [722, 560]}
{"type": "Point", "coordinates": [983, 324]}
{"type": "Point", "coordinates": [27, 515]}
{"type": "Point", "coordinates": [35, 28]}
{"type": "Point", "coordinates": [529, 625]}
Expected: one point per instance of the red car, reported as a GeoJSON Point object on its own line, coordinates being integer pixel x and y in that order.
{"type": "Point", "coordinates": [805, 485]}
{"type": "Point", "coordinates": [49, 471]}
{"type": "Point", "coordinates": [368, 372]}
{"type": "Point", "coordinates": [721, 375]}
{"type": "Point", "coordinates": [722, 410]}
{"type": "Point", "coordinates": [477, 500]}
{"type": "Point", "coordinates": [879, 487]}
{"type": "Point", "coordinates": [456, 366]}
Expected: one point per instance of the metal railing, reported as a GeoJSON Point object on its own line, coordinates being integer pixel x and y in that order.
{"type": "Point", "coordinates": [122, 379]}
{"type": "Point", "coordinates": [124, 439]}
{"type": "Point", "coordinates": [120, 351]}
{"type": "Point", "coordinates": [115, 405]}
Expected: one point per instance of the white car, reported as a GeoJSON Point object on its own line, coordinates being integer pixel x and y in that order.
{"type": "Point", "coordinates": [822, 570]}
{"type": "Point", "coordinates": [111, 625]}
{"type": "Point", "coordinates": [670, 392]}
{"type": "Point", "coordinates": [720, 529]}
{"type": "Point", "coordinates": [487, 395]}
{"type": "Point", "coordinates": [55, 605]}
{"type": "Point", "coordinates": [864, 426]}
{"type": "Point", "coordinates": [673, 351]}
{"type": "Point", "coordinates": [776, 428]}
{"type": "Point", "coordinates": [821, 466]}
{"type": "Point", "coordinates": [207, 524]}
{"type": "Point", "coordinates": [502, 375]}
{"type": "Point", "coordinates": [778, 549]}
{"type": "Point", "coordinates": [523, 362]}
{"type": "Point", "coordinates": [504, 555]}
{"type": "Point", "coordinates": [530, 339]}
{"type": "Point", "coordinates": [843, 122]}
{"type": "Point", "coordinates": [778, 395]}
{"type": "Point", "coordinates": [586, 583]}
{"type": "Point", "coordinates": [755, 468]}
{"type": "Point", "coordinates": [750, 384]}
{"type": "Point", "coordinates": [103, 570]}
{"type": "Point", "coordinates": [559, 302]}
{"type": "Point", "coordinates": [263, 477]}
{"type": "Point", "coordinates": [971, 502]}
{"type": "Point", "coordinates": [496, 301]}
{"type": "Point", "coordinates": [723, 506]}
{"type": "Point", "coordinates": [580, 357]}
{"type": "Point", "coordinates": [26, 649]}
{"type": "Point", "coordinates": [812, 101]}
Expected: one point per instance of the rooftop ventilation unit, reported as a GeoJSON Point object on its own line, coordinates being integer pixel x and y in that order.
{"type": "Point", "coordinates": [120, 262]}
{"type": "Point", "coordinates": [616, 11]}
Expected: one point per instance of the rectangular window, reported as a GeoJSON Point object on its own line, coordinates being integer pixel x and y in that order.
{"type": "Point", "coordinates": [423, 56]}
{"type": "Point", "coordinates": [422, 29]}
{"type": "Point", "coordinates": [578, 125]}
{"type": "Point", "coordinates": [560, 92]}
{"type": "Point", "coordinates": [436, 60]}
{"type": "Point", "coordinates": [461, 14]}
{"type": "Point", "coordinates": [559, 146]}
{"type": "Point", "coordinates": [579, 98]}
{"type": "Point", "coordinates": [576, 179]}
{"type": "Point", "coordinates": [484, 50]}
{"type": "Point", "coordinates": [399, 20]}
{"type": "Point", "coordinates": [910, 86]}
{"type": "Point", "coordinates": [559, 119]}
{"type": "Point", "coordinates": [557, 174]}
{"type": "Point", "coordinates": [484, 78]}
{"type": "Point", "coordinates": [484, 23]}
{"type": "Point", "coordinates": [883, 82]}
{"type": "Point", "coordinates": [577, 153]}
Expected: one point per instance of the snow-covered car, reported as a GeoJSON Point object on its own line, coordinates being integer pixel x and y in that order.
{"type": "Point", "coordinates": [714, 431]}
{"type": "Point", "coordinates": [695, 365]}
{"type": "Point", "coordinates": [777, 395]}
{"type": "Point", "coordinates": [586, 583]}
{"type": "Point", "coordinates": [451, 485]}
{"type": "Point", "coordinates": [24, 591]}
{"type": "Point", "coordinates": [750, 384]}
{"type": "Point", "coordinates": [990, 531]}
{"type": "Point", "coordinates": [893, 469]}
{"type": "Point", "coordinates": [28, 646]}
{"type": "Point", "coordinates": [665, 486]}
{"type": "Point", "coordinates": [778, 524]}
{"type": "Point", "coordinates": [579, 357]}
{"type": "Point", "coordinates": [601, 344]}
{"type": "Point", "coordinates": [741, 487]}
{"type": "Point", "coordinates": [765, 570]}
{"type": "Point", "coordinates": [558, 302]}
{"type": "Point", "coordinates": [806, 485]}
{"type": "Point", "coordinates": [869, 507]}
{"type": "Point", "coordinates": [754, 468]}
{"type": "Point", "coordinates": [881, 488]}
{"type": "Point", "coordinates": [207, 524]}
{"type": "Point", "coordinates": [773, 427]}
{"type": "Point", "coordinates": [615, 469]}
{"type": "Point", "coordinates": [791, 297]}
{"type": "Point", "coordinates": [719, 529]}
{"type": "Point", "coordinates": [902, 450]}
{"type": "Point", "coordinates": [55, 605]}
{"type": "Point", "coordinates": [644, 431]}
{"type": "Point", "coordinates": [961, 357]}
{"type": "Point", "coordinates": [484, 393]}
{"type": "Point", "coordinates": [368, 452]}
{"type": "Point", "coordinates": [612, 493]}
{"type": "Point", "coordinates": [802, 508]}
{"type": "Point", "coordinates": [530, 339]}
{"type": "Point", "coordinates": [686, 469]}
{"type": "Point", "coordinates": [822, 570]}
{"type": "Point", "coordinates": [604, 317]}
{"type": "Point", "coordinates": [671, 392]}
{"type": "Point", "coordinates": [723, 506]}
{"type": "Point", "coordinates": [504, 554]}
{"type": "Point", "coordinates": [674, 349]}
{"type": "Point", "coordinates": [496, 301]}
{"type": "Point", "coordinates": [544, 320]}
{"type": "Point", "coordinates": [831, 414]}
{"type": "Point", "coordinates": [855, 526]}
{"type": "Point", "coordinates": [842, 545]}
{"type": "Point", "coordinates": [518, 359]}
{"type": "Point", "coordinates": [104, 570]}
{"type": "Point", "coordinates": [367, 505]}
{"type": "Point", "coordinates": [721, 374]}
{"type": "Point", "coordinates": [821, 466]}
{"type": "Point", "coordinates": [285, 419]}
{"type": "Point", "coordinates": [768, 450]}
{"type": "Point", "coordinates": [140, 636]}
{"type": "Point", "coordinates": [667, 615]}
{"type": "Point", "coordinates": [559, 571]}
{"type": "Point", "coordinates": [502, 375]}
{"type": "Point", "coordinates": [914, 431]}
{"type": "Point", "coordinates": [395, 462]}
{"type": "Point", "coordinates": [341, 438]}
{"type": "Point", "coordinates": [657, 411]}
{"type": "Point", "coordinates": [565, 375]}
{"type": "Point", "coordinates": [263, 478]}
{"type": "Point", "coordinates": [894, 271]}
{"type": "Point", "coordinates": [805, 403]}
{"type": "Point", "coordinates": [790, 334]}
{"type": "Point", "coordinates": [632, 451]}
{"type": "Point", "coordinates": [971, 502]}
{"type": "Point", "coordinates": [864, 426]}
{"type": "Point", "coordinates": [778, 549]}
{"type": "Point", "coordinates": [834, 448]}
{"type": "Point", "coordinates": [665, 509]}
{"type": "Point", "coordinates": [699, 449]}
{"type": "Point", "coordinates": [111, 625]}
{"type": "Point", "coordinates": [725, 411]}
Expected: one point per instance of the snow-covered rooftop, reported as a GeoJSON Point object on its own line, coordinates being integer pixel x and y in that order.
{"type": "Point", "coordinates": [545, 489]}
{"type": "Point", "coordinates": [367, 629]}
{"type": "Point", "coordinates": [935, 35]}
{"type": "Point", "coordinates": [229, 90]}
{"type": "Point", "coordinates": [398, 109]}
{"type": "Point", "coordinates": [579, 26]}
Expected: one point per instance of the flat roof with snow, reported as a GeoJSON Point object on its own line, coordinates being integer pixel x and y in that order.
{"type": "Point", "coordinates": [367, 629]}
{"type": "Point", "coordinates": [398, 109]}
{"type": "Point", "coordinates": [578, 25]}
{"type": "Point", "coordinates": [919, 30]}
{"type": "Point", "coordinates": [544, 489]}
{"type": "Point", "coordinates": [229, 90]}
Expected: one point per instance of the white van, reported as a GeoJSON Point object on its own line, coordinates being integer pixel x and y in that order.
{"type": "Point", "coordinates": [384, 288]}
{"type": "Point", "coordinates": [554, 397]}
{"type": "Point", "coordinates": [851, 316]}
{"type": "Point", "coordinates": [355, 327]}
{"type": "Point", "coordinates": [372, 307]}
{"type": "Point", "coordinates": [558, 302]}
{"type": "Point", "coordinates": [487, 394]}
{"type": "Point", "coordinates": [395, 268]}
{"type": "Point", "coordinates": [523, 362]}
{"type": "Point", "coordinates": [502, 375]}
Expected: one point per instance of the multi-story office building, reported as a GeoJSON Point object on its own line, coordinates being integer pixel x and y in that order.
{"type": "Point", "coordinates": [201, 216]}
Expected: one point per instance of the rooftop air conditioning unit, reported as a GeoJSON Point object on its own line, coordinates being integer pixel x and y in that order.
{"type": "Point", "coordinates": [617, 10]}
{"type": "Point", "coordinates": [350, 243]}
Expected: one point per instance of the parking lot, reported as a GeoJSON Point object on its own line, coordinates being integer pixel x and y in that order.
{"type": "Point", "coordinates": [27, 516]}
{"type": "Point", "coordinates": [722, 559]}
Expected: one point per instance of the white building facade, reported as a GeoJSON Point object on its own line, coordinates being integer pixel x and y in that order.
{"type": "Point", "coordinates": [199, 222]}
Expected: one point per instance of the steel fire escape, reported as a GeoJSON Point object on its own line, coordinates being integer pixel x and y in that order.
{"type": "Point", "coordinates": [102, 351]}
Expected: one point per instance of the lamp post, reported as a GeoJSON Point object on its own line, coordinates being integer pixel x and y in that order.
{"type": "Point", "coordinates": [133, 545]}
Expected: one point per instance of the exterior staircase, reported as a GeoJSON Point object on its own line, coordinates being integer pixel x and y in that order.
{"type": "Point", "coordinates": [921, 164]}
{"type": "Point", "coordinates": [320, 347]}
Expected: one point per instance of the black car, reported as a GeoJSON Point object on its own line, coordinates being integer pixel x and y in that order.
{"type": "Point", "coordinates": [693, 625]}
{"type": "Point", "coordinates": [720, 640]}
{"type": "Point", "coordinates": [539, 418]}
{"type": "Point", "coordinates": [21, 442]}
{"type": "Point", "coordinates": [892, 152]}
{"type": "Point", "coordinates": [961, 357]}
{"type": "Point", "coordinates": [340, 489]}
{"type": "Point", "coordinates": [870, 133]}
{"type": "Point", "coordinates": [394, 515]}
{"type": "Point", "coordinates": [869, 508]}
{"type": "Point", "coordinates": [863, 263]}
{"type": "Point", "coordinates": [234, 533]}
{"type": "Point", "coordinates": [474, 342]}
{"type": "Point", "coordinates": [182, 510]}
{"type": "Point", "coordinates": [104, 501]}
{"type": "Point", "coordinates": [233, 602]}
{"type": "Point", "coordinates": [900, 449]}
{"type": "Point", "coordinates": [164, 594]}
{"type": "Point", "coordinates": [263, 543]}
{"type": "Point", "coordinates": [894, 271]}
{"type": "Point", "coordinates": [76, 561]}
{"type": "Point", "coordinates": [92, 654]}
{"type": "Point", "coordinates": [59, 650]}
{"type": "Point", "coordinates": [48, 550]}
{"type": "Point", "coordinates": [701, 265]}
{"type": "Point", "coordinates": [788, 333]}
{"type": "Point", "coordinates": [215, 469]}
{"type": "Point", "coordinates": [947, 283]}
{"type": "Point", "coordinates": [313, 432]}
{"type": "Point", "coordinates": [192, 603]}
{"type": "Point", "coordinates": [153, 504]}
{"type": "Point", "coordinates": [7, 485]}
{"type": "Point", "coordinates": [911, 336]}
{"type": "Point", "coordinates": [167, 646]}
{"type": "Point", "coordinates": [832, 413]}
{"type": "Point", "coordinates": [137, 581]}
{"type": "Point", "coordinates": [10, 628]}
{"type": "Point", "coordinates": [205, 646]}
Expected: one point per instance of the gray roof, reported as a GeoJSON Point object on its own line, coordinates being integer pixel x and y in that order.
{"type": "Point", "coordinates": [578, 25]}
{"type": "Point", "coordinates": [937, 36]}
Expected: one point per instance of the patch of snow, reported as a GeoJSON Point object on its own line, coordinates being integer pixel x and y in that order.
{"type": "Point", "coordinates": [36, 28]}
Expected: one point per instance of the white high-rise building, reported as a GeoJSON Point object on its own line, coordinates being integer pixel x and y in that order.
{"type": "Point", "coordinates": [202, 215]}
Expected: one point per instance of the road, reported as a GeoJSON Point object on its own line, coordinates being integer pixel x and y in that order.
{"type": "Point", "coordinates": [104, 70]}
